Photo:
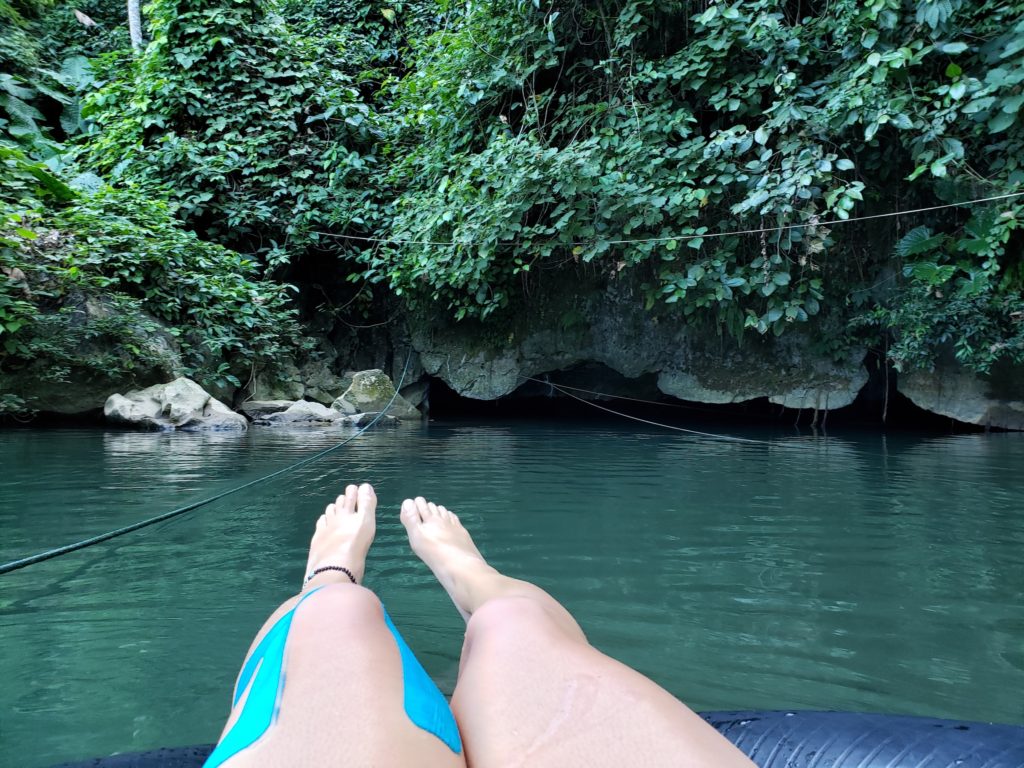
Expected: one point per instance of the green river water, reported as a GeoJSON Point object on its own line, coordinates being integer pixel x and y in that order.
{"type": "Point", "coordinates": [854, 572]}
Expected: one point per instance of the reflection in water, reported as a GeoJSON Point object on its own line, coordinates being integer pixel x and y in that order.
{"type": "Point", "coordinates": [859, 572]}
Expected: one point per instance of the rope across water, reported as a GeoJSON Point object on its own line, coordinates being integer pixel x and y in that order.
{"type": "Point", "coordinates": [565, 391]}
{"type": "Point", "coordinates": [49, 554]}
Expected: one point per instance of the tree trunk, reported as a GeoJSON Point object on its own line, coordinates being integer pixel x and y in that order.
{"type": "Point", "coordinates": [135, 24]}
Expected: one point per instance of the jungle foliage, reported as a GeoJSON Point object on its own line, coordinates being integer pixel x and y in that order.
{"type": "Point", "coordinates": [70, 241]}
{"type": "Point", "coordinates": [457, 155]}
{"type": "Point", "coordinates": [627, 134]}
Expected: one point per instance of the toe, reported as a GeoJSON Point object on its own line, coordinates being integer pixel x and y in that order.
{"type": "Point", "coordinates": [410, 515]}
{"type": "Point", "coordinates": [424, 510]}
{"type": "Point", "coordinates": [347, 504]}
{"type": "Point", "coordinates": [322, 520]}
{"type": "Point", "coordinates": [433, 508]}
{"type": "Point", "coordinates": [367, 499]}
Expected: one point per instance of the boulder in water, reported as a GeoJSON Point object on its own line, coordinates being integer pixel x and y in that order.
{"type": "Point", "coordinates": [371, 392]}
{"type": "Point", "coordinates": [302, 413]}
{"type": "Point", "coordinates": [181, 404]}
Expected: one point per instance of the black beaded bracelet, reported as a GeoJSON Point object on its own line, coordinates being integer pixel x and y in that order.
{"type": "Point", "coordinates": [341, 568]}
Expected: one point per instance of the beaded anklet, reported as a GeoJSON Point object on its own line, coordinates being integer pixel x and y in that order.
{"type": "Point", "coordinates": [324, 568]}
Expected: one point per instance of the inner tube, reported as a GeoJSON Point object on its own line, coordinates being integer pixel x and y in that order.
{"type": "Point", "coordinates": [784, 739]}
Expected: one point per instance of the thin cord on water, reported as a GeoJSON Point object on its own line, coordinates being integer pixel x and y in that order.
{"type": "Point", "coordinates": [24, 562]}
{"type": "Point", "coordinates": [814, 222]}
{"type": "Point", "coordinates": [655, 423]}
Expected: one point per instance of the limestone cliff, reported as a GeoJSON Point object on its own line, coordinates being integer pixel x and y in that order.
{"type": "Point", "coordinates": [610, 326]}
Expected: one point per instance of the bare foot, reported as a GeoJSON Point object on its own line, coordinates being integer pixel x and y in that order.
{"type": "Point", "coordinates": [437, 536]}
{"type": "Point", "coordinates": [343, 536]}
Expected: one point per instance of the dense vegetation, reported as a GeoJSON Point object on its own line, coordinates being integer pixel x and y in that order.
{"type": "Point", "coordinates": [458, 155]}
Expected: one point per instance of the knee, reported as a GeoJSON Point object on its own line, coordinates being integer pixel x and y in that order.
{"type": "Point", "coordinates": [508, 618]}
{"type": "Point", "coordinates": [340, 604]}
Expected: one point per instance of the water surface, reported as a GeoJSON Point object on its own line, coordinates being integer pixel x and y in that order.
{"type": "Point", "coordinates": [850, 572]}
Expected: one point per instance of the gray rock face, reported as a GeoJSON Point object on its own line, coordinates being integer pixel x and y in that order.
{"type": "Point", "coordinates": [181, 404]}
{"type": "Point", "coordinates": [320, 384]}
{"type": "Point", "coordinates": [611, 327]}
{"type": "Point", "coordinates": [302, 413]}
{"type": "Point", "coordinates": [416, 394]}
{"type": "Point", "coordinates": [80, 391]}
{"type": "Point", "coordinates": [315, 379]}
{"type": "Point", "coordinates": [370, 392]}
{"type": "Point", "coordinates": [791, 378]}
{"type": "Point", "coordinates": [992, 401]}
{"type": "Point", "coordinates": [284, 384]}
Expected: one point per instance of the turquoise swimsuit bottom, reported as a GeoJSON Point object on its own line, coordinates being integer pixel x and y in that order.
{"type": "Point", "coordinates": [424, 703]}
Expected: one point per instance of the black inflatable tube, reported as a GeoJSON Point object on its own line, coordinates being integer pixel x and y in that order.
{"type": "Point", "coordinates": [797, 739]}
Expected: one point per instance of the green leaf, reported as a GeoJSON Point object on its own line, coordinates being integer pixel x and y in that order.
{"type": "Point", "coordinates": [844, 165]}
{"type": "Point", "coordinates": [1001, 122]}
{"type": "Point", "coordinates": [1012, 103]}
{"type": "Point", "coordinates": [917, 241]}
{"type": "Point", "coordinates": [953, 70]}
{"type": "Point", "coordinates": [953, 47]}
{"type": "Point", "coordinates": [917, 172]}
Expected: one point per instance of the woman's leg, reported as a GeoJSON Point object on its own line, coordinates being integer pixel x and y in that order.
{"type": "Point", "coordinates": [327, 681]}
{"type": "Point", "coordinates": [532, 691]}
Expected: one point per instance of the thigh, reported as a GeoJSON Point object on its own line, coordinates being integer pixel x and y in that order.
{"type": "Point", "coordinates": [343, 694]}
{"type": "Point", "coordinates": [529, 695]}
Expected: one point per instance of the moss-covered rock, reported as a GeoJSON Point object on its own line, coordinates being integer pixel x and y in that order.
{"type": "Point", "coordinates": [371, 392]}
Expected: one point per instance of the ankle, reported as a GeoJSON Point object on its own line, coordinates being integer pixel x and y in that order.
{"type": "Point", "coordinates": [330, 573]}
